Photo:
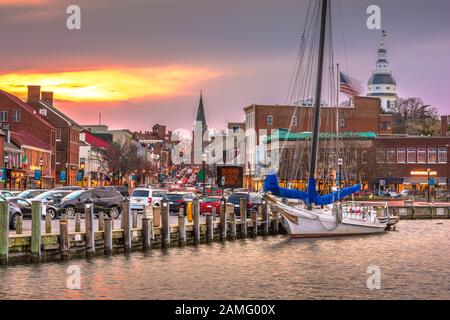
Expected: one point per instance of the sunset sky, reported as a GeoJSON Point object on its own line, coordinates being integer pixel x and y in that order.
{"type": "Point", "coordinates": [141, 62]}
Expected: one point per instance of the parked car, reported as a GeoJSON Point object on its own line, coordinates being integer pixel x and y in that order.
{"type": "Point", "coordinates": [31, 193]}
{"type": "Point", "coordinates": [254, 199]}
{"type": "Point", "coordinates": [208, 203]}
{"type": "Point", "coordinates": [391, 194]}
{"type": "Point", "coordinates": [70, 188]}
{"type": "Point", "coordinates": [23, 204]}
{"type": "Point", "coordinates": [405, 193]}
{"type": "Point", "coordinates": [123, 190]}
{"type": "Point", "coordinates": [179, 200]}
{"type": "Point", "coordinates": [142, 197]}
{"type": "Point", "coordinates": [14, 213]}
{"type": "Point", "coordinates": [52, 199]}
{"type": "Point", "coordinates": [108, 201]}
{"type": "Point", "coordinates": [7, 194]}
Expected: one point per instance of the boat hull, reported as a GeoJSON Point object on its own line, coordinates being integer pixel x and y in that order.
{"type": "Point", "coordinates": [304, 224]}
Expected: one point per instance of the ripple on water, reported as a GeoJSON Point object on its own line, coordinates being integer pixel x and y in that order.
{"type": "Point", "coordinates": [414, 264]}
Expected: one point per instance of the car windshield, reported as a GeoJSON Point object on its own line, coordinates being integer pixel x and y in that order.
{"type": "Point", "coordinates": [158, 193]}
{"type": "Point", "coordinates": [140, 193]}
{"type": "Point", "coordinates": [173, 196]}
{"type": "Point", "coordinates": [74, 195]}
{"type": "Point", "coordinates": [44, 195]}
{"type": "Point", "coordinates": [24, 194]}
{"type": "Point", "coordinates": [236, 197]}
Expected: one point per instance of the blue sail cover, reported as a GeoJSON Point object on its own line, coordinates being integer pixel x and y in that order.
{"type": "Point", "coordinates": [310, 196]}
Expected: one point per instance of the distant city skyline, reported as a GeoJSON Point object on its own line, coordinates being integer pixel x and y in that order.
{"type": "Point", "coordinates": [145, 62]}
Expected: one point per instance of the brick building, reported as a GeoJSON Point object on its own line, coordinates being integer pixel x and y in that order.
{"type": "Point", "coordinates": [67, 135]}
{"type": "Point", "coordinates": [365, 116]}
{"type": "Point", "coordinates": [35, 136]}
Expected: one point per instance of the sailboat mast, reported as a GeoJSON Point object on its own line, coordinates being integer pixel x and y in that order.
{"type": "Point", "coordinates": [316, 123]}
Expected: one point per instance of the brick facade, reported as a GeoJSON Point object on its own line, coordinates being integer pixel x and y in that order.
{"type": "Point", "coordinates": [68, 134]}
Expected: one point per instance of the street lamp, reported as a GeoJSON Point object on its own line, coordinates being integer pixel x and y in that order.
{"type": "Point", "coordinates": [6, 170]}
{"type": "Point", "coordinates": [340, 164]}
{"type": "Point", "coordinates": [41, 165]}
{"type": "Point", "coordinates": [67, 174]}
{"type": "Point", "coordinates": [428, 174]}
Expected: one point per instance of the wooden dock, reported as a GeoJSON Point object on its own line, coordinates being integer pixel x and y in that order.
{"type": "Point", "coordinates": [155, 231]}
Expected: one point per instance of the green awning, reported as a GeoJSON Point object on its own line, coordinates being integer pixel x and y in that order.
{"type": "Point", "coordinates": [284, 135]}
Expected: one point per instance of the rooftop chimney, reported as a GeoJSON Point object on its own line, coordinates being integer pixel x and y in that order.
{"type": "Point", "coordinates": [47, 98]}
{"type": "Point", "coordinates": [444, 125]}
{"type": "Point", "coordinates": [34, 93]}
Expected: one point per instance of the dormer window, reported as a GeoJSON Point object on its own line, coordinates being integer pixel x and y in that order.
{"type": "Point", "coordinates": [43, 112]}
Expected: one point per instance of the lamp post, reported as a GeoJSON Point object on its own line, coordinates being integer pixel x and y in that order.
{"type": "Point", "coordinates": [340, 164]}
{"type": "Point", "coordinates": [428, 174]}
{"type": "Point", "coordinates": [67, 174]}
{"type": "Point", "coordinates": [6, 170]}
{"type": "Point", "coordinates": [41, 165]}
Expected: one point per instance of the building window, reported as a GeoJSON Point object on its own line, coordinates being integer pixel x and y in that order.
{"type": "Point", "coordinates": [269, 120]}
{"type": "Point", "coordinates": [3, 116]}
{"type": "Point", "coordinates": [43, 112]}
{"type": "Point", "coordinates": [58, 157]}
{"type": "Point", "coordinates": [58, 134]}
{"type": "Point", "coordinates": [411, 155]}
{"type": "Point", "coordinates": [401, 155]}
{"type": "Point", "coordinates": [364, 157]}
{"type": "Point", "coordinates": [381, 156]}
{"type": "Point", "coordinates": [294, 121]}
{"type": "Point", "coordinates": [432, 155]}
{"type": "Point", "coordinates": [391, 155]}
{"type": "Point", "coordinates": [16, 116]}
{"type": "Point", "coordinates": [385, 125]}
{"type": "Point", "coordinates": [442, 155]}
{"type": "Point", "coordinates": [421, 155]}
{"type": "Point", "coordinates": [342, 123]}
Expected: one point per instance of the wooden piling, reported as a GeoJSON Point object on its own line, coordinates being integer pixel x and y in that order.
{"type": "Point", "coordinates": [232, 216]}
{"type": "Point", "coordinates": [101, 221]}
{"type": "Point", "coordinates": [77, 222]}
{"type": "Point", "coordinates": [182, 229]}
{"type": "Point", "coordinates": [156, 216]}
{"type": "Point", "coordinates": [64, 243]}
{"type": "Point", "coordinates": [214, 213]}
{"type": "Point", "coordinates": [254, 218]}
{"type": "Point", "coordinates": [126, 224]}
{"type": "Point", "coordinates": [108, 236]}
{"type": "Point", "coordinates": [265, 218]}
{"type": "Point", "coordinates": [48, 224]}
{"type": "Point", "coordinates": [243, 217]}
{"type": "Point", "coordinates": [146, 233]}
{"type": "Point", "coordinates": [196, 215]}
{"type": "Point", "coordinates": [36, 239]}
{"type": "Point", "coordinates": [19, 223]}
{"type": "Point", "coordinates": [135, 219]}
{"type": "Point", "coordinates": [275, 223]}
{"type": "Point", "coordinates": [209, 228]}
{"type": "Point", "coordinates": [165, 226]}
{"type": "Point", "coordinates": [89, 227]}
{"type": "Point", "coordinates": [4, 231]}
{"type": "Point", "coordinates": [223, 219]}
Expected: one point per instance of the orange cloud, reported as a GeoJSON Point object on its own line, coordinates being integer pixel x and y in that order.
{"type": "Point", "coordinates": [112, 84]}
{"type": "Point", "coordinates": [22, 2]}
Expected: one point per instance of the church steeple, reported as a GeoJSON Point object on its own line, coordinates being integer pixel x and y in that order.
{"type": "Point", "coordinates": [201, 114]}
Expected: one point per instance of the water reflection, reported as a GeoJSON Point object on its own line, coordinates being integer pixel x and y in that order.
{"type": "Point", "coordinates": [414, 263]}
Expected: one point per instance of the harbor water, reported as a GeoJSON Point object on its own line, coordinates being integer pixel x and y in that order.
{"type": "Point", "coordinates": [414, 263]}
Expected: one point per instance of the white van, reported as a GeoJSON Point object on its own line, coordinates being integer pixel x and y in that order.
{"type": "Point", "coordinates": [142, 197]}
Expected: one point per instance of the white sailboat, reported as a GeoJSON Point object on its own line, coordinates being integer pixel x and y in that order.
{"type": "Point", "coordinates": [323, 216]}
